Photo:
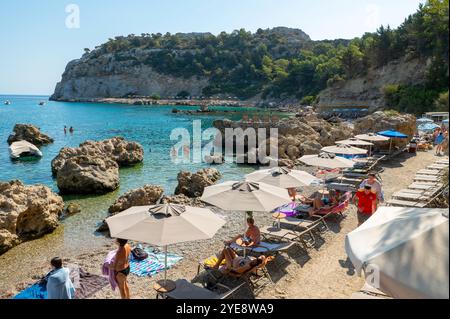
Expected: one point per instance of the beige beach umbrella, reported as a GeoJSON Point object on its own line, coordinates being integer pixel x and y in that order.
{"type": "Point", "coordinates": [327, 160]}
{"type": "Point", "coordinates": [282, 177]}
{"type": "Point", "coordinates": [355, 142]}
{"type": "Point", "coordinates": [344, 149]}
{"type": "Point", "coordinates": [163, 225]}
{"type": "Point", "coordinates": [245, 196]}
{"type": "Point", "coordinates": [372, 137]}
{"type": "Point", "coordinates": [404, 251]}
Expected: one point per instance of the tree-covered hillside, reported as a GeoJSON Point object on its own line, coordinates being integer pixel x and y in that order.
{"type": "Point", "coordinates": [282, 62]}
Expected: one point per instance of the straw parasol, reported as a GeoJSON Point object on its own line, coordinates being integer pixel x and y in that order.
{"type": "Point", "coordinates": [344, 149]}
{"type": "Point", "coordinates": [405, 250]}
{"type": "Point", "coordinates": [163, 225]}
{"type": "Point", "coordinates": [282, 177]}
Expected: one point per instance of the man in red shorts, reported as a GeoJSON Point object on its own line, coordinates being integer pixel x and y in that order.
{"type": "Point", "coordinates": [366, 201]}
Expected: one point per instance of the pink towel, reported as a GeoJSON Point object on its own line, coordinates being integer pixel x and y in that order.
{"type": "Point", "coordinates": [109, 261]}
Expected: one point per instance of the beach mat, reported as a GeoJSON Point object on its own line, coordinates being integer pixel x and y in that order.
{"type": "Point", "coordinates": [153, 264]}
{"type": "Point", "coordinates": [85, 284]}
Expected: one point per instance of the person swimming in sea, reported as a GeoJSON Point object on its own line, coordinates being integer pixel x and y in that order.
{"type": "Point", "coordinates": [71, 130]}
{"type": "Point", "coordinates": [65, 130]}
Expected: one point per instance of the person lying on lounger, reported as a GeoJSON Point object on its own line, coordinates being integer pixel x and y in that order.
{"type": "Point", "coordinates": [251, 238]}
{"type": "Point", "coordinates": [235, 263]}
{"type": "Point", "coordinates": [323, 202]}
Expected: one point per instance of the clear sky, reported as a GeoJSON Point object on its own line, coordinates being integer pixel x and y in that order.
{"type": "Point", "coordinates": [36, 44]}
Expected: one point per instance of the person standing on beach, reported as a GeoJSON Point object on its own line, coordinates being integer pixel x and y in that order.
{"type": "Point", "coordinates": [375, 184]}
{"type": "Point", "coordinates": [439, 142]}
{"type": "Point", "coordinates": [366, 201]}
{"type": "Point", "coordinates": [59, 285]}
{"type": "Point", "coordinates": [121, 267]}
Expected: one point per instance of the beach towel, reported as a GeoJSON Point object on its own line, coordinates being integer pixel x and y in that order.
{"type": "Point", "coordinates": [107, 271]}
{"type": "Point", "coordinates": [289, 209]}
{"type": "Point", "coordinates": [86, 285]}
{"type": "Point", "coordinates": [153, 264]}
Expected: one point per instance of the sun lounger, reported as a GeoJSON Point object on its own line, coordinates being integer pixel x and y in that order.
{"type": "Point", "coordinates": [265, 248]}
{"type": "Point", "coordinates": [305, 237]}
{"type": "Point", "coordinates": [187, 290]}
{"type": "Point", "coordinates": [437, 166]}
{"type": "Point", "coordinates": [424, 186]}
{"type": "Point", "coordinates": [427, 178]}
{"type": "Point", "coordinates": [411, 196]}
{"type": "Point", "coordinates": [404, 203]}
{"type": "Point", "coordinates": [431, 172]}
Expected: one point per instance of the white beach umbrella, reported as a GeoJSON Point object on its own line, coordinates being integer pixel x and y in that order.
{"type": "Point", "coordinates": [164, 225]}
{"type": "Point", "coordinates": [245, 196]}
{"type": "Point", "coordinates": [405, 250]}
{"type": "Point", "coordinates": [282, 177]}
{"type": "Point", "coordinates": [344, 149]}
{"type": "Point", "coordinates": [327, 160]}
{"type": "Point", "coordinates": [372, 137]}
{"type": "Point", "coordinates": [355, 142]}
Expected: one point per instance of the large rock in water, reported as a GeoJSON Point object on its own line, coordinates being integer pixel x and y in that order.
{"type": "Point", "coordinates": [387, 120]}
{"type": "Point", "coordinates": [29, 133]}
{"type": "Point", "coordinates": [192, 185]}
{"type": "Point", "coordinates": [88, 175]}
{"type": "Point", "coordinates": [123, 152]}
{"type": "Point", "coordinates": [26, 212]}
{"type": "Point", "coordinates": [143, 196]}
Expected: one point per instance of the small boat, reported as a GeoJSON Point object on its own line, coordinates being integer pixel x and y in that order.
{"type": "Point", "coordinates": [42, 103]}
{"type": "Point", "coordinates": [24, 150]}
{"type": "Point", "coordinates": [7, 102]}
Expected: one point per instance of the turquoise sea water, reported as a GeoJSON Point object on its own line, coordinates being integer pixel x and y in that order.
{"type": "Point", "coordinates": [149, 125]}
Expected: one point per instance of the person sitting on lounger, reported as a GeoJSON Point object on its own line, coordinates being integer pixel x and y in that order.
{"type": "Point", "coordinates": [235, 263]}
{"type": "Point", "coordinates": [251, 238]}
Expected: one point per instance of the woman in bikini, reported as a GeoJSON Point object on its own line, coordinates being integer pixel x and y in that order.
{"type": "Point", "coordinates": [122, 267]}
{"type": "Point", "coordinates": [235, 263]}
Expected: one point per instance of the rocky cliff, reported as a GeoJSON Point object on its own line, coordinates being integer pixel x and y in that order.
{"type": "Point", "coordinates": [107, 76]}
{"type": "Point", "coordinates": [368, 90]}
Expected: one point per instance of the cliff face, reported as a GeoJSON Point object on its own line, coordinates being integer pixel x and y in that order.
{"type": "Point", "coordinates": [107, 76]}
{"type": "Point", "coordinates": [367, 90]}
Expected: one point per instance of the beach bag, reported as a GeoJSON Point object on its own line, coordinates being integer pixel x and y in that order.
{"type": "Point", "coordinates": [139, 253]}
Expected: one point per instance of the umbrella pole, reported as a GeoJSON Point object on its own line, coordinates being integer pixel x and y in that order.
{"type": "Point", "coordinates": [165, 268]}
{"type": "Point", "coordinates": [390, 147]}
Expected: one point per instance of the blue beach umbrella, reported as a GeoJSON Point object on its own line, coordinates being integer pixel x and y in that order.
{"type": "Point", "coordinates": [392, 134]}
{"type": "Point", "coordinates": [445, 122]}
{"type": "Point", "coordinates": [427, 127]}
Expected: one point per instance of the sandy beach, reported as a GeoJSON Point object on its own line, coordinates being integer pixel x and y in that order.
{"type": "Point", "coordinates": [321, 272]}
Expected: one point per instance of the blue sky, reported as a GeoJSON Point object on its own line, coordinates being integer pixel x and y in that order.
{"type": "Point", "coordinates": [36, 43]}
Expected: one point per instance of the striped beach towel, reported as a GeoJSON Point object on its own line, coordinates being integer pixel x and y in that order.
{"type": "Point", "coordinates": [153, 264]}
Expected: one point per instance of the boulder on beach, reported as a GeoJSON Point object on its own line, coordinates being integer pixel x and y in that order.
{"type": "Point", "coordinates": [72, 209]}
{"type": "Point", "coordinates": [193, 184]}
{"type": "Point", "coordinates": [181, 199]}
{"type": "Point", "coordinates": [29, 133]}
{"type": "Point", "coordinates": [143, 196]}
{"type": "Point", "coordinates": [88, 175]}
{"type": "Point", "coordinates": [387, 120]}
{"type": "Point", "coordinates": [123, 152]}
{"type": "Point", "coordinates": [26, 212]}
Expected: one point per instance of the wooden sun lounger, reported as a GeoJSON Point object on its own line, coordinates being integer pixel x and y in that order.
{"type": "Point", "coordinates": [424, 186]}
{"type": "Point", "coordinates": [431, 172]}
{"type": "Point", "coordinates": [442, 161]}
{"type": "Point", "coordinates": [404, 203]}
{"type": "Point", "coordinates": [427, 178]}
{"type": "Point", "coordinates": [438, 167]}
{"type": "Point", "coordinates": [187, 290]}
{"type": "Point", "coordinates": [410, 196]}
{"type": "Point", "coordinates": [271, 232]}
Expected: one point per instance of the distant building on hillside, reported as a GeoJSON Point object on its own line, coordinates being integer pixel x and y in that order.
{"type": "Point", "coordinates": [437, 117]}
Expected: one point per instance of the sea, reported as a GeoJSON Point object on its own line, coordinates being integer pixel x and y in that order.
{"type": "Point", "coordinates": [151, 126]}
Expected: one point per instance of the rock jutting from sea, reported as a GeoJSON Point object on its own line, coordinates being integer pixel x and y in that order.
{"type": "Point", "coordinates": [29, 133]}
{"type": "Point", "coordinates": [93, 167]}
{"type": "Point", "coordinates": [193, 184]}
{"type": "Point", "coordinates": [26, 212]}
